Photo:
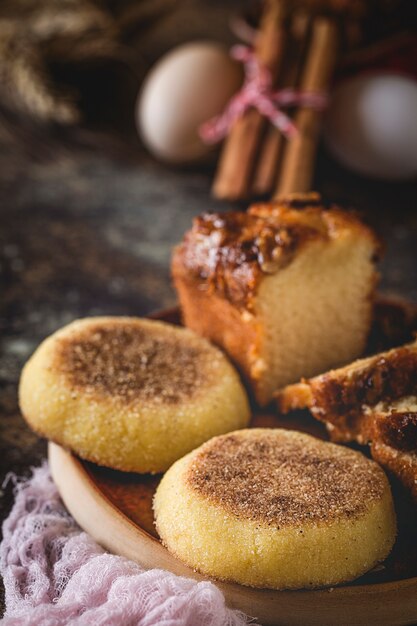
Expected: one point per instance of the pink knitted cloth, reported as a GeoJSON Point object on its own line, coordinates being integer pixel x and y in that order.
{"type": "Point", "coordinates": [56, 574]}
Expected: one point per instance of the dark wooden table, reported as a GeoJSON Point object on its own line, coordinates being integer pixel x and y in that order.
{"type": "Point", "coordinates": [87, 229]}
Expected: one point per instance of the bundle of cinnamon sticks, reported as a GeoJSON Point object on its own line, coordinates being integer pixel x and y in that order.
{"type": "Point", "coordinates": [299, 50]}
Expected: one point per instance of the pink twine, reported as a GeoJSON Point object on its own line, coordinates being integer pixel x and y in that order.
{"type": "Point", "coordinates": [257, 92]}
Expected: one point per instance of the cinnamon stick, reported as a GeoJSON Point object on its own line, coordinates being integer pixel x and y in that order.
{"type": "Point", "coordinates": [236, 164]}
{"type": "Point", "coordinates": [298, 162]}
{"type": "Point", "coordinates": [271, 150]}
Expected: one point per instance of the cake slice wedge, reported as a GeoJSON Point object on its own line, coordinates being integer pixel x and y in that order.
{"type": "Point", "coordinates": [286, 289]}
{"type": "Point", "coordinates": [371, 401]}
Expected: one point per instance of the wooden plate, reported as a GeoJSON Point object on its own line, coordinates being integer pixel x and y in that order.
{"type": "Point", "coordinates": [116, 509]}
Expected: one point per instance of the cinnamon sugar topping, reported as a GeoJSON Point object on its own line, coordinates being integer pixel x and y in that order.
{"type": "Point", "coordinates": [283, 478]}
{"type": "Point", "coordinates": [132, 362]}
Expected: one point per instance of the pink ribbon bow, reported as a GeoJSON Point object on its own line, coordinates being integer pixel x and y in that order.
{"type": "Point", "coordinates": [257, 92]}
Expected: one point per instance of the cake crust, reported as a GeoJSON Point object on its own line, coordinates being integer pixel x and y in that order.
{"type": "Point", "coordinates": [229, 253]}
{"type": "Point", "coordinates": [344, 397]}
{"type": "Point", "coordinates": [371, 401]}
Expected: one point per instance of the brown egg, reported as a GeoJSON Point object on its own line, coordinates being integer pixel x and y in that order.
{"type": "Point", "coordinates": [188, 86]}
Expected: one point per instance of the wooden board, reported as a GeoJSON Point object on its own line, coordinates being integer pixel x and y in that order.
{"type": "Point", "coordinates": [116, 509]}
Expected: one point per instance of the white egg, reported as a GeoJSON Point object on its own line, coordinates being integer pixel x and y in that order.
{"type": "Point", "coordinates": [371, 125]}
{"type": "Point", "coordinates": [188, 86]}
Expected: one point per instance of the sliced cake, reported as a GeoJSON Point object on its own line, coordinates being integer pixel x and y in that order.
{"type": "Point", "coordinates": [372, 400]}
{"type": "Point", "coordinates": [285, 288]}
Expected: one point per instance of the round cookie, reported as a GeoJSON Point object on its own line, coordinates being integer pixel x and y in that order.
{"type": "Point", "coordinates": [276, 509]}
{"type": "Point", "coordinates": [131, 394]}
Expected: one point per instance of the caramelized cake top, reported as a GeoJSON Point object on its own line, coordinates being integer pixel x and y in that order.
{"type": "Point", "coordinates": [229, 252]}
{"type": "Point", "coordinates": [397, 429]}
{"type": "Point", "coordinates": [345, 396]}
